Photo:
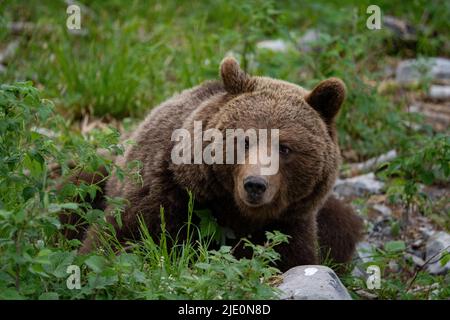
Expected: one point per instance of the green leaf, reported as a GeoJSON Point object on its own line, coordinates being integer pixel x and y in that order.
{"type": "Point", "coordinates": [49, 296]}
{"type": "Point", "coordinates": [94, 215]}
{"type": "Point", "coordinates": [43, 257]}
{"type": "Point", "coordinates": [38, 269]}
{"type": "Point", "coordinates": [57, 207]}
{"type": "Point", "coordinates": [445, 259]}
{"type": "Point", "coordinates": [59, 261]}
{"type": "Point", "coordinates": [20, 216]}
{"type": "Point", "coordinates": [28, 192]}
{"type": "Point", "coordinates": [69, 206]}
{"type": "Point", "coordinates": [10, 294]}
{"type": "Point", "coordinates": [427, 177]}
{"type": "Point", "coordinates": [96, 263]}
{"type": "Point", "coordinates": [103, 280]}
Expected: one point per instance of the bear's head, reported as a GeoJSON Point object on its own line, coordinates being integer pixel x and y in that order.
{"type": "Point", "coordinates": [308, 154]}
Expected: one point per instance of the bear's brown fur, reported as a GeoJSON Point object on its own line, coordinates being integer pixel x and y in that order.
{"type": "Point", "coordinates": [299, 205]}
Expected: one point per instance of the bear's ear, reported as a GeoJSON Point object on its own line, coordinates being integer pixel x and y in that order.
{"type": "Point", "coordinates": [327, 97]}
{"type": "Point", "coordinates": [235, 80]}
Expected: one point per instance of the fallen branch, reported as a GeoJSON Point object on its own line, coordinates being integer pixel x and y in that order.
{"type": "Point", "coordinates": [366, 166]}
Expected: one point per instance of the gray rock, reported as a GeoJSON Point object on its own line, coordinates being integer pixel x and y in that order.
{"type": "Point", "coordinates": [437, 245]}
{"type": "Point", "coordinates": [21, 27]}
{"type": "Point", "coordinates": [417, 244]}
{"type": "Point", "coordinates": [358, 273]}
{"type": "Point", "coordinates": [387, 231]}
{"type": "Point", "coordinates": [414, 108]}
{"type": "Point", "coordinates": [362, 257]}
{"type": "Point", "coordinates": [412, 70]}
{"type": "Point", "coordinates": [400, 28]}
{"type": "Point", "coordinates": [358, 186]}
{"type": "Point", "coordinates": [384, 210]}
{"type": "Point", "coordinates": [9, 51]}
{"type": "Point", "coordinates": [312, 282]}
{"type": "Point", "coordinates": [45, 132]}
{"type": "Point", "coordinates": [276, 45]}
{"type": "Point", "coordinates": [393, 266]}
{"type": "Point", "coordinates": [388, 71]}
{"type": "Point", "coordinates": [418, 261]}
{"type": "Point", "coordinates": [439, 92]}
{"type": "Point", "coordinates": [364, 252]}
{"type": "Point", "coordinates": [426, 231]}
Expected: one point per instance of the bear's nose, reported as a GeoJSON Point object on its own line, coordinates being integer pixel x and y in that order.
{"type": "Point", "coordinates": [255, 186]}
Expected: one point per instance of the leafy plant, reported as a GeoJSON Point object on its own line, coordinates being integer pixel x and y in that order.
{"type": "Point", "coordinates": [30, 144]}
{"type": "Point", "coordinates": [425, 162]}
{"type": "Point", "coordinates": [400, 279]}
{"type": "Point", "coordinates": [35, 256]}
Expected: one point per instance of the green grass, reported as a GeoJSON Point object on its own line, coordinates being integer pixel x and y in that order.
{"type": "Point", "coordinates": [130, 59]}
{"type": "Point", "coordinates": [34, 254]}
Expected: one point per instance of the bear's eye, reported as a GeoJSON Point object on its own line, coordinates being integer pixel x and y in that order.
{"type": "Point", "coordinates": [247, 143]}
{"type": "Point", "coordinates": [284, 150]}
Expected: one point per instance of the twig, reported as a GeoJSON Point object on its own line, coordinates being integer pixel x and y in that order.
{"type": "Point", "coordinates": [423, 266]}
{"type": "Point", "coordinates": [235, 247]}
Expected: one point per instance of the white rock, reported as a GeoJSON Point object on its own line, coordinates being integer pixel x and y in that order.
{"type": "Point", "coordinates": [418, 261]}
{"type": "Point", "coordinates": [439, 92]}
{"type": "Point", "coordinates": [384, 210]}
{"type": "Point", "coordinates": [417, 243]}
{"type": "Point", "coordinates": [386, 231]}
{"type": "Point", "coordinates": [362, 256]}
{"type": "Point", "coordinates": [9, 51]}
{"type": "Point", "coordinates": [373, 162]}
{"type": "Point", "coordinates": [393, 266]}
{"type": "Point", "coordinates": [358, 186]}
{"type": "Point", "coordinates": [44, 131]}
{"type": "Point", "coordinates": [312, 282]}
{"type": "Point", "coordinates": [399, 28]}
{"type": "Point", "coordinates": [437, 245]}
{"type": "Point", "coordinates": [20, 27]}
{"type": "Point", "coordinates": [412, 70]}
{"type": "Point", "coordinates": [414, 108]}
{"type": "Point", "coordinates": [358, 273]}
{"type": "Point", "coordinates": [426, 231]}
{"type": "Point", "coordinates": [277, 45]}
{"type": "Point", "coordinates": [309, 41]}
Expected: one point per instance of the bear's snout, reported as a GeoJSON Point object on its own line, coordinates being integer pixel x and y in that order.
{"type": "Point", "coordinates": [256, 190]}
{"type": "Point", "coordinates": [255, 186]}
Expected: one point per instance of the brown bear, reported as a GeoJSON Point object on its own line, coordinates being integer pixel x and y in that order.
{"type": "Point", "coordinates": [296, 200]}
